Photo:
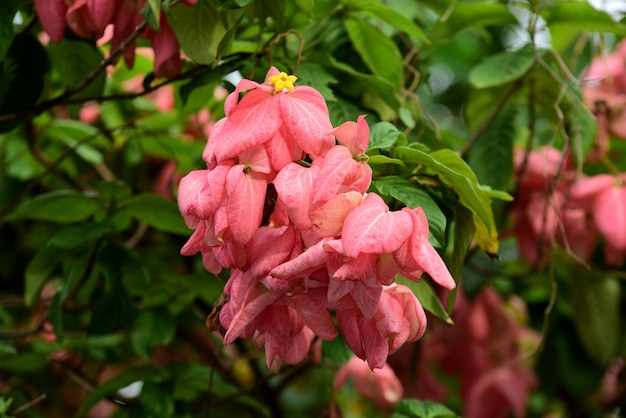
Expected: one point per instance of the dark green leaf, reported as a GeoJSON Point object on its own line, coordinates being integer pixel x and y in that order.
{"type": "Point", "coordinates": [22, 74]}
{"type": "Point", "coordinates": [425, 293]}
{"type": "Point", "coordinates": [502, 68]}
{"type": "Point", "coordinates": [314, 75]}
{"type": "Point", "coordinates": [159, 213]}
{"type": "Point", "coordinates": [39, 270]}
{"type": "Point", "coordinates": [156, 400]}
{"type": "Point", "coordinates": [24, 363]}
{"type": "Point", "coordinates": [63, 206]}
{"type": "Point", "coordinates": [151, 328]}
{"type": "Point", "coordinates": [6, 29]}
{"type": "Point", "coordinates": [76, 235]}
{"type": "Point", "coordinates": [232, 4]}
{"type": "Point", "coordinates": [596, 306]}
{"type": "Point", "coordinates": [127, 377]}
{"type": "Point", "coordinates": [73, 61]}
{"type": "Point", "coordinates": [413, 196]}
{"type": "Point", "coordinates": [457, 175]}
{"type": "Point", "coordinates": [491, 156]}
{"type": "Point", "coordinates": [113, 311]}
{"type": "Point", "coordinates": [208, 76]}
{"type": "Point", "coordinates": [200, 28]}
{"type": "Point", "coordinates": [379, 53]}
{"type": "Point", "coordinates": [414, 408]}
{"type": "Point", "coordinates": [307, 6]}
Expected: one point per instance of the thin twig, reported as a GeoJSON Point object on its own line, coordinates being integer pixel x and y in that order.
{"type": "Point", "coordinates": [28, 404]}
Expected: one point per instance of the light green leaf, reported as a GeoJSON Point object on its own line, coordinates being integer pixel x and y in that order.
{"type": "Point", "coordinates": [151, 328]}
{"type": "Point", "coordinates": [63, 206]}
{"type": "Point", "coordinates": [159, 213]}
{"type": "Point", "coordinates": [337, 350]}
{"type": "Point", "coordinates": [414, 408]}
{"type": "Point", "coordinates": [580, 16]}
{"type": "Point", "coordinates": [136, 374]}
{"type": "Point", "coordinates": [383, 159]}
{"type": "Point", "coordinates": [426, 295]}
{"type": "Point", "coordinates": [412, 196]}
{"type": "Point", "coordinates": [456, 174]}
{"type": "Point", "coordinates": [461, 15]}
{"type": "Point", "coordinates": [502, 68]}
{"type": "Point", "coordinates": [380, 54]}
{"type": "Point", "coordinates": [383, 135]}
{"type": "Point", "coordinates": [391, 16]}
{"type": "Point", "coordinates": [596, 306]}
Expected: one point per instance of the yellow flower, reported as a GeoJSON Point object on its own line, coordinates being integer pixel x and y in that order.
{"type": "Point", "coordinates": [283, 81]}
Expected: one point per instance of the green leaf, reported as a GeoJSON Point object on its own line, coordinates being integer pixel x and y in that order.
{"type": "Point", "coordinates": [127, 377]}
{"type": "Point", "coordinates": [7, 349]}
{"type": "Point", "coordinates": [391, 16]}
{"type": "Point", "coordinates": [426, 295]}
{"type": "Point", "coordinates": [155, 7]}
{"type": "Point", "coordinates": [63, 206]}
{"type": "Point", "coordinates": [596, 306]}
{"type": "Point", "coordinates": [39, 270]}
{"type": "Point", "coordinates": [232, 4]}
{"type": "Point", "coordinates": [461, 15]}
{"type": "Point", "coordinates": [80, 136]}
{"type": "Point", "coordinates": [337, 350]}
{"type": "Point", "coordinates": [457, 175]}
{"type": "Point", "coordinates": [502, 68]}
{"type": "Point", "coordinates": [113, 311]}
{"type": "Point", "coordinates": [150, 17]}
{"type": "Point", "coordinates": [77, 235]}
{"type": "Point", "coordinates": [582, 126]}
{"type": "Point", "coordinates": [373, 83]}
{"type": "Point", "coordinates": [414, 408]}
{"type": "Point", "coordinates": [413, 196]}
{"type": "Point", "coordinates": [156, 400]}
{"type": "Point", "coordinates": [380, 54]}
{"type": "Point", "coordinates": [383, 159]}
{"type": "Point", "coordinates": [383, 135]}
{"type": "Point", "coordinates": [22, 75]}
{"type": "Point", "coordinates": [209, 76]}
{"type": "Point", "coordinates": [151, 328]}
{"type": "Point", "coordinates": [579, 16]}
{"type": "Point", "coordinates": [491, 156]}
{"type": "Point", "coordinates": [6, 28]}
{"type": "Point", "coordinates": [159, 213]}
{"type": "Point", "coordinates": [73, 61]}
{"type": "Point", "coordinates": [200, 28]}
{"type": "Point", "coordinates": [307, 6]}
{"type": "Point", "coordinates": [314, 75]}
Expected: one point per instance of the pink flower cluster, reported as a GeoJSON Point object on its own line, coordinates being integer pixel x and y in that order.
{"type": "Point", "coordinates": [89, 18]}
{"type": "Point", "coordinates": [286, 209]}
{"type": "Point", "coordinates": [484, 349]}
{"type": "Point", "coordinates": [554, 205]}
{"type": "Point", "coordinates": [604, 91]}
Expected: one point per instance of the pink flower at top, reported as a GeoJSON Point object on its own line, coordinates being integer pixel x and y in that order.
{"type": "Point", "coordinates": [299, 116]}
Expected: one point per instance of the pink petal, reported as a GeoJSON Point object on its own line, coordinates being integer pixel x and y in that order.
{"type": "Point", "coordinates": [310, 260]}
{"type": "Point", "coordinates": [246, 197]}
{"type": "Point", "coordinates": [610, 216]}
{"type": "Point", "coordinates": [336, 169]}
{"type": "Point", "coordinates": [255, 121]}
{"type": "Point", "coordinates": [101, 12]}
{"type": "Point", "coordinates": [371, 228]}
{"type": "Point", "coordinates": [268, 248]}
{"type": "Point", "coordinates": [255, 304]}
{"type": "Point", "coordinates": [328, 219]}
{"type": "Point", "coordinates": [314, 316]}
{"type": "Point", "coordinates": [256, 158]}
{"type": "Point", "coordinates": [422, 255]}
{"type": "Point", "coordinates": [354, 135]}
{"type": "Point", "coordinates": [305, 116]}
{"type": "Point", "coordinates": [167, 61]}
{"type": "Point", "coordinates": [51, 15]}
{"type": "Point", "coordinates": [294, 185]}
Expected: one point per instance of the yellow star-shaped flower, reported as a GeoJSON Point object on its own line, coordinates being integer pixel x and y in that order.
{"type": "Point", "coordinates": [283, 81]}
